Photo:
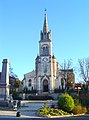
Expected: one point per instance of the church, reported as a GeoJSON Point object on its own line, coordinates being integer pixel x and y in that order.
{"type": "Point", "coordinates": [47, 76]}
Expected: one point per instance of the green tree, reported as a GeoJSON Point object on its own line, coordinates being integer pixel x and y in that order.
{"type": "Point", "coordinates": [67, 69]}
{"type": "Point", "coordinates": [17, 83]}
{"type": "Point", "coordinates": [66, 102]}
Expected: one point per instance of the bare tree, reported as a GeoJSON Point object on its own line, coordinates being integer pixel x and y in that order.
{"type": "Point", "coordinates": [67, 64]}
{"type": "Point", "coordinates": [11, 73]}
{"type": "Point", "coordinates": [84, 69]}
{"type": "Point", "coordinates": [66, 68]}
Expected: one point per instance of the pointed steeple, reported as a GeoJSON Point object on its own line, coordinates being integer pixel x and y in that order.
{"type": "Point", "coordinates": [45, 34]}
{"type": "Point", "coordinates": [45, 26]}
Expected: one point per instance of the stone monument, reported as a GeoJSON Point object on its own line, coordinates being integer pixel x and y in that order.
{"type": "Point", "coordinates": [4, 83]}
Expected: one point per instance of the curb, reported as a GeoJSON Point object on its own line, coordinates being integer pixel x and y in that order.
{"type": "Point", "coordinates": [49, 116]}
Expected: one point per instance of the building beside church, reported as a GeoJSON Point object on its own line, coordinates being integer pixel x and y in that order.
{"type": "Point", "coordinates": [47, 76]}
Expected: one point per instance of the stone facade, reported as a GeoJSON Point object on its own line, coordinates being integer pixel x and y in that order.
{"type": "Point", "coordinates": [29, 81]}
{"type": "Point", "coordinates": [47, 77]}
{"type": "Point", "coordinates": [4, 80]}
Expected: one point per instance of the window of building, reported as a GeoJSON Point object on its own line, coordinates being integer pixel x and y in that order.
{"type": "Point", "coordinates": [29, 82]}
{"type": "Point", "coordinates": [45, 50]}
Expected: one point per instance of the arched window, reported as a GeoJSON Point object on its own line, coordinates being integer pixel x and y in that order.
{"type": "Point", "coordinates": [46, 50]}
{"type": "Point", "coordinates": [29, 82]}
{"type": "Point", "coordinates": [43, 50]}
{"type": "Point", "coordinates": [45, 85]}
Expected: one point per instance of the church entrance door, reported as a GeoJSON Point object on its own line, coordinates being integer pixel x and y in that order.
{"type": "Point", "coordinates": [45, 85]}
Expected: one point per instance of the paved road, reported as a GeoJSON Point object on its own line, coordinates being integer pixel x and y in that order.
{"type": "Point", "coordinates": [28, 111]}
{"type": "Point", "coordinates": [12, 114]}
{"type": "Point", "coordinates": [61, 118]}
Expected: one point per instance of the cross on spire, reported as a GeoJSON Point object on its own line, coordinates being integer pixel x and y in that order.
{"type": "Point", "coordinates": [45, 10]}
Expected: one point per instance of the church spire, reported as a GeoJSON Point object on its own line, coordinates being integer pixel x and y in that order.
{"type": "Point", "coordinates": [45, 34]}
{"type": "Point", "coordinates": [45, 26]}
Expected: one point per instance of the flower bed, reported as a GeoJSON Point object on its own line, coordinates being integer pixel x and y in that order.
{"type": "Point", "coordinates": [51, 112]}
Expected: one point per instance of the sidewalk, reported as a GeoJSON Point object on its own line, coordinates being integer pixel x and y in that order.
{"type": "Point", "coordinates": [12, 114]}
{"type": "Point", "coordinates": [28, 109]}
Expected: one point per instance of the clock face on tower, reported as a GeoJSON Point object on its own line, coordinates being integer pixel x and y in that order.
{"type": "Point", "coordinates": [45, 59]}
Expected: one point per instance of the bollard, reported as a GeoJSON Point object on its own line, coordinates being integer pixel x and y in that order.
{"type": "Point", "coordinates": [18, 114]}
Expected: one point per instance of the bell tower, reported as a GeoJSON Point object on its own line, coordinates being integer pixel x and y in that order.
{"type": "Point", "coordinates": [44, 64]}
{"type": "Point", "coordinates": [45, 43]}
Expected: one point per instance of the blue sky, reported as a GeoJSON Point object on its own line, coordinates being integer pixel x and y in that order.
{"type": "Point", "coordinates": [22, 20]}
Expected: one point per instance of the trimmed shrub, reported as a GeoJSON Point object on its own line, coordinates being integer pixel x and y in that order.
{"type": "Point", "coordinates": [78, 109]}
{"type": "Point", "coordinates": [84, 99]}
{"type": "Point", "coordinates": [76, 101]}
{"type": "Point", "coordinates": [66, 102]}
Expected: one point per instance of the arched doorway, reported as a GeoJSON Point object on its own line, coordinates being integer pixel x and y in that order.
{"type": "Point", "coordinates": [45, 85]}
